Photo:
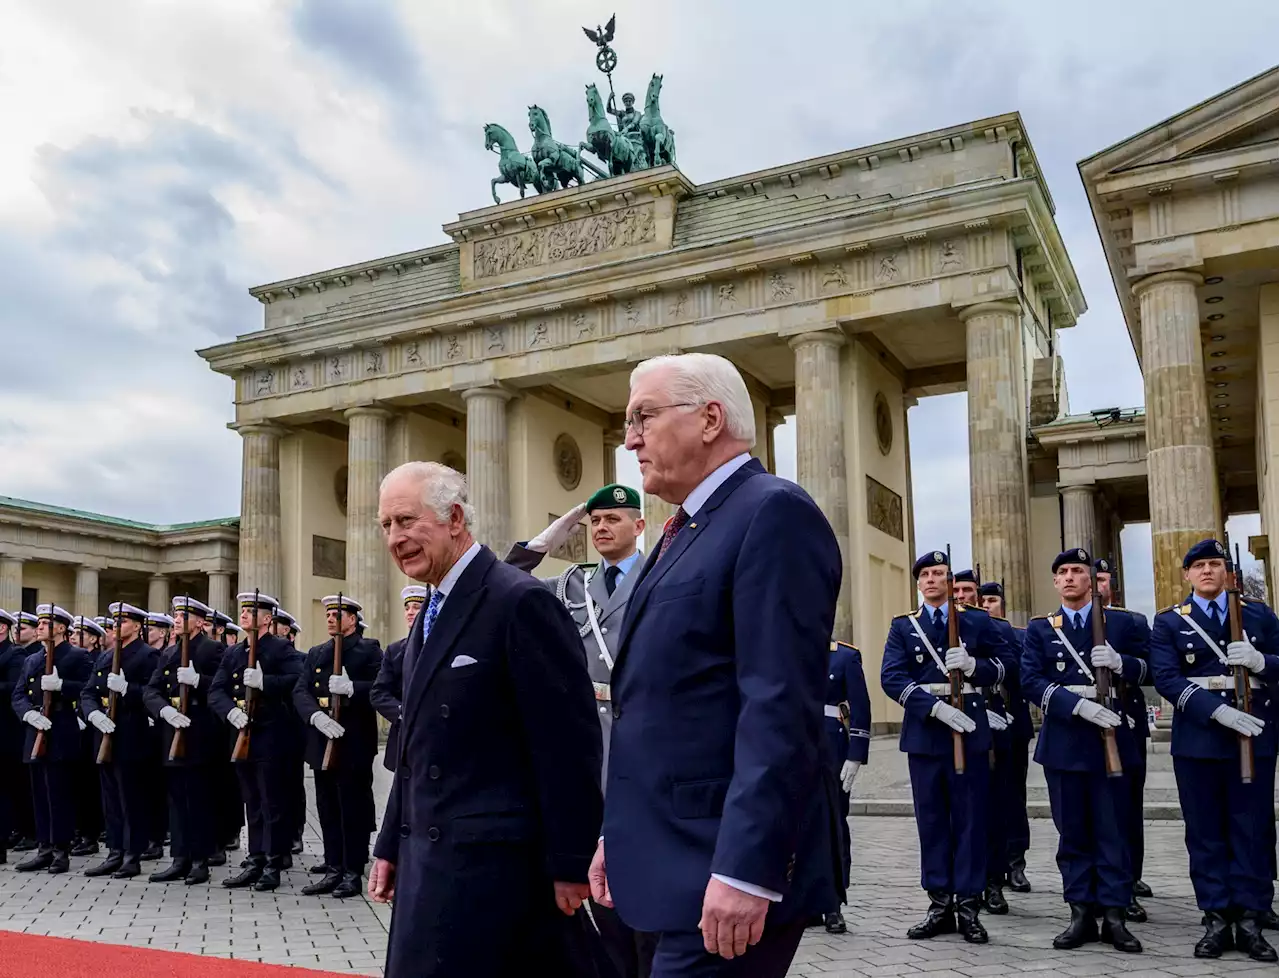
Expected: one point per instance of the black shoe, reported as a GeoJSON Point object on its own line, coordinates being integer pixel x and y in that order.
{"type": "Point", "coordinates": [1269, 920]}
{"type": "Point", "coordinates": [939, 919]}
{"type": "Point", "coordinates": [23, 845]}
{"type": "Point", "coordinates": [40, 859]}
{"type": "Point", "coordinates": [1115, 933]}
{"type": "Point", "coordinates": [114, 860]}
{"type": "Point", "coordinates": [1249, 937]}
{"type": "Point", "coordinates": [833, 922]}
{"type": "Point", "coordinates": [248, 861]}
{"type": "Point", "coordinates": [131, 867]}
{"type": "Point", "coordinates": [178, 869]}
{"type": "Point", "coordinates": [296, 848]}
{"type": "Point", "coordinates": [1140, 889]}
{"type": "Point", "coordinates": [326, 884]}
{"type": "Point", "coordinates": [269, 880]}
{"type": "Point", "coordinates": [1135, 912]}
{"type": "Point", "coordinates": [994, 900]}
{"type": "Point", "coordinates": [324, 868]}
{"type": "Point", "coordinates": [1217, 935]}
{"type": "Point", "coordinates": [217, 859]}
{"type": "Point", "coordinates": [1018, 876]}
{"type": "Point", "coordinates": [85, 847]}
{"type": "Point", "coordinates": [246, 877]}
{"type": "Point", "coordinates": [967, 922]}
{"type": "Point", "coordinates": [1082, 930]}
{"type": "Point", "coordinates": [199, 873]}
{"type": "Point", "coordinates": [155, 851]}
{"type": "Point", "coordinates": [286, 861]}
{"type": "Point", "coordinates": [4, 856]}
{"type": "Point", "coordinates": [61, 861]}
{"type": "Point", "coordinates": [233, 845]}
{"type": "Point", "coordinates": [350, 886]}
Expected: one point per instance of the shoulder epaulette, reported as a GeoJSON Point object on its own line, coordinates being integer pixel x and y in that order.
{"type": "Point", "coordinates": [906, 614]}
{"type": "Point", "coordinates": [1037, 618]}
{"type": "Point", "coordinates": [1253, 600]}
{"type": "Point", "coordinates": [993, 615]}
{"type": "Point", "coordinates": [1055, 621]}
{"type": "Point", "coordinates": [847, 645]}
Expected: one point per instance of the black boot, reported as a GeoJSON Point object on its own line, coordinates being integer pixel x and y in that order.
{"type": "Point", "coordinates": [994, 899]}
{"type": "Point", "coordinates": [131, 867]}
{"type": "Point", "coordinates": [4, 856]}
{"type": "Point", "coordinates": [40, 859]}
{"type": "Point", "coordinates": [114, 860]}
{"type": "Point", "coordinates": [1217, 935]}
{"type": "Point", "coordinates": [24, 845]}
{"type": "Point", "coordinates": [232, 845]}
{"type": "Point", "coordinates": [1082, 930]}
{"type": "Point", "coordinates": [1249, 937]}
{"type": "Point", "coordinates": [939, 919]}
{"type": "Point", "coordinates": [1018, 876]}
{"type": "Point", "coordinates": [178, 869]}
{"type": "Point", "coordinates": [320, 868]}
{"type": "Point", "coordinates": [85, 847]}
{"type": "Point", "coordinates": [199, 873]}
{"type": "Point", "coordinates": [1269, 920]}
{"type": "Point", "coordinates": [61, 860]}
{"type": "Point", "coordinates": [1135, 912]}
{"type": "Point", "coordinates": [269, 880]}
{"type": "Point", "coordinates": [1115, 933]}
{"type": "Point", "coordinates": [152, 852]}
{"type": "Point", "coordinates": [219, 858]}
{"type": "Point", "coordinates": [246, 877]}
{"type": "Point", "coordinates": [325, 884]}
{"type": "Point", "coordinates": [833, 922]}
{"type": "Point", "coordinates": [967, 922]}
{"type": "Point", "coordinates": [1140, 889]}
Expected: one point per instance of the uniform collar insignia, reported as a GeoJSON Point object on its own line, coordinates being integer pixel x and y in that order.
{"type": "Point", "coordinates": [1184, 609]}
{"type": "Point", "coordinates": [1055, 621]}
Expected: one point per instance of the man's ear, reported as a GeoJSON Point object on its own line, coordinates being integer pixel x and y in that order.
{"type": "Point", "coordinates": [713, 421]}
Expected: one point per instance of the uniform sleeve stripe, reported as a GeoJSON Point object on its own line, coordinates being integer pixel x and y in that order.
{"type": "Point", "coordinates": [999, 671]}
{"type": "Point", "coordinates": [1186, 695]}
{"type": "Point", "coordinates": [864, 734]}
{"type": "Point", "coordinates": [1142, 671]}
{"type": "Point", "coordinates": [1048, 694]}
{"type": "Point", "coordinates": [902, 698]}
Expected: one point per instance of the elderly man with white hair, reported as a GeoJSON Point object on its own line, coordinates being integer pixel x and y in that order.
{"type": "Point", "coordinates": [720, 816]}
{"type": "Point", "coordinates": [496, 800]}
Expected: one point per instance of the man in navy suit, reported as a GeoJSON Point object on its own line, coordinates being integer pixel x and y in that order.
{"type": "Point", "coordinates": [496, 798]}
{"type": "Point", "coordinates": [719, 825]}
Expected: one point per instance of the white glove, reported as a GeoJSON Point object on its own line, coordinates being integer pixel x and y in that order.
{"type": "Point", "coordinates": [36, 719]}
{"type": "Point", "coordinates": [953, 718]}
{"type": "Point", "coordinates": [1237, 720]}
{"type": "Point", "coordinates": [1244, 654]}
{"type": "Point", "coordinates": [238, 718]}
{"type": "Point", "coordinates": [848, 772]}
{"type": "Point", "coordinates": [253, 678]}
{"type": "Point", "coordinates": [174, 719]}
{"type": "Point", "coordinates": [996, 721]}
{"type": "Point", "coordinates": [117, 683]}
{"type": "Point", "coordinates": [558, 533]}
{"type": "Point", "coordinates": [80, 724]}
{"type": "Point", "coordinates": [1105, 657]}
{"type": "Point", "coordinates": [51, 683]}
{"type": "Point", "coordinates": [1096, 714]}
{"type": "Point", "coordinates": [103, 722]}
{"type": "Point", "coordinates": [327, 725]}
{"type": "Point", "coordinates": [962, 660]}
{"type": "Point", "coordinates": [188, 676]}
{"type": "Point", "coordinates": [342, 685]}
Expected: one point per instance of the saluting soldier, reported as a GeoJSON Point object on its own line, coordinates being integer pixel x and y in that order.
{"type": "Point", "coordinates": [23, 836]}
{"type": "Point", "coordinates": [847, 721]}
{"type": "Point", "coordinates": [264, 776]}
{"type": "Point", "coordinates": [1228, 822]}
{"type": "Point", "coordinates": [191, 778]}
{"type": "Point", "coordinates": [344, 792]}
{"type": "Point", "coordinates": [126, 795]}
{"type": "Point", "coordinates": [388, 688]}
{"type": "Point", "coordinates": [950, 807]}
{"type": "Point", "coordinates": [1090, 809]}
{"type": "Point", "coordinates": [52, 798]}
{"type": "Point", "coordinates": [1016, 750]}
{"type": "Point", "coordinates": [12, 775]}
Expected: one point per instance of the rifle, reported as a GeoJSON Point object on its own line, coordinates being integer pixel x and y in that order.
{"type": "Point", "coordinates": [335, 701]}
{"type": "Point", "coordinates": [1102, 678]}
{"type": "Point", "coordinates": [104, 747]}
{"type": "Point", "coordinates": [956, 677]}
{"type": "Point", "coordinates": [1244, 698]}
{"type": "Point", "coordinates": [241, 750]}
{"type": "Point", "coordinates": [178, 747]}
{"type": "Point", "coordinates": [39, 746]}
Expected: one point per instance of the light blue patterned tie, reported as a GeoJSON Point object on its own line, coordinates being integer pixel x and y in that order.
{"type": "Point", "coordinates": [428, 620]}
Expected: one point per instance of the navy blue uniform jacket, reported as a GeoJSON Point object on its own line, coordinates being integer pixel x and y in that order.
{"type": "Point", "coordinates": [62, 740]}
{"type": "Point", "coordinates": [205, 741]}
{"type": "Point", "coordinates": [134, 742]}
{"type": "Point", "coordinates": [846, 683]}
{"type": "Point", "coordinates": [385, 697]}
{"type": "Point", "coordinates": [12, 658]}
{"type": "Point", "coordinates": [716, 761]}
{"type": "Point", "coordinates": [1010, 696]}
{"type": "Point", "coordinates": [361, 658]}
{"type": "Point", "coordinates": [275, 730]}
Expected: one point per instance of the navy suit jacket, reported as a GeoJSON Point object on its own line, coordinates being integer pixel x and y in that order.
{"type": "Point", "coordinates": [716, 758]}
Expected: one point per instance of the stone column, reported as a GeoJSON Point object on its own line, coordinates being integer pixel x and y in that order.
{"type": "Point", "coordinates": [656, 512]}
{"type": "Point", "coordinates": [998, 450]}
{"type": "Point", "coordinates": [773, 419]}
{"type": "Point", "coordinates": [86, 601]}
{"type": "Point", "coordinates": [909, 504]}
{"type": "Point", "coordinates": [820, 459]}
{"type": "Point", "coordinates": [367, 577]}
{"type": "Point", "coordinates": [488, 474]}
{"type": "Point", "coordinates": [612, 441]}
{"type": "Point", "coordinates": [157, 592]}
{"type": "Point", "coordinates": [261, 558]}
{"type": "Point", "coordinates": [220, 591]}
{"type": "Point", "coordinates": [1080, 520]}
{"type": "Point", "coordinates": [1181, 472]}
{"type": "Point", "coordinates": [11, 583]}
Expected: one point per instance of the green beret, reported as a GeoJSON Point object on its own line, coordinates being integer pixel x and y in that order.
{"type": "Point", "coordinates": [614, 497]}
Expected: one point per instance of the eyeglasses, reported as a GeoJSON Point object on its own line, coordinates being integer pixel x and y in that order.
{"type": "Point", "coordinates": [638, 418]}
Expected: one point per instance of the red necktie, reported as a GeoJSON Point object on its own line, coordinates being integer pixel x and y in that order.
{"type": "Point", "coordinates": [672, 528]}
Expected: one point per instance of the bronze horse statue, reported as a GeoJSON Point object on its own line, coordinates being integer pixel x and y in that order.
{"type": "Point", "coordinates": [620, 154]}
{"type": "Point", "coordinates": [659, 141]}
{"type": "Point", "coordinates": [514, 167]}
{"type": "Point", "coordinates": [557, 163]}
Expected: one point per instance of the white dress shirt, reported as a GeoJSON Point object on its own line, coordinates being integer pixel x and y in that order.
{"type": "Point", "coordinates": [451, 578]}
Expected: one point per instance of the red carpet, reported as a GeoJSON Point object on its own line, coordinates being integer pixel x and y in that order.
{"type": "Point", "coordinates": [27, 956]}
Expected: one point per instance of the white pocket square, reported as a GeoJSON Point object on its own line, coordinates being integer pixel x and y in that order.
{"type": "Point", "coordinates": [462, 660]}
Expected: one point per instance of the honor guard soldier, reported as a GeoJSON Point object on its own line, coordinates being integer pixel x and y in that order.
{"type": "Point", "coordinates": [389, 686]}
{"type": "Point", "coordinates": [950, 806]}
{"type": "Point", "coordinates": [23, 838]}
{"type": "Point", "coordinates": [228, 805]}
{"type": "Point", "coordinates": [126, 798]}
{"type": "Point", "coordinates": [340, 746]}
{"type": "Point", "coordinates": [1089, 799]}
{"type": "Point", "coordinates": [264, 776]}
{"type": "Point", "coordinates": [847, 720]}
{"type": "Point", "coordinates": [190, 783]}
{"type": "Point", "coordinates": [159, 629]}
{"type": "Point", "coordinates": [52, 797]}
{"type": "Point", "coordinates": [12, 775]}
{"type": "Point", "coordinates": [1016, 751]}
{"type": "Point", "coordinates": [88, 634]}
{"type": "Point", "coordinates": [1228, 821]}
{"type": "Point", "coordinates": [285, 626]}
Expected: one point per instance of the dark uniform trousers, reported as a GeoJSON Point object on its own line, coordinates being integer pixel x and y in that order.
{"type": "Point", "coordinates": [126, 804]}
{"type": "Point", "coordinates": [267, 807]}
{"type": "Point", "coordinates": [951, 816]}
{"type": "Point", "coordinates": [87, 787]}
{"type": "Point", "coordinates": [1135, 776]}
{"type": "Point", "coordinates": [191, 811]}
{"type": "Point", "coordinates": [1091, 813]}
{"type": "Point", "coordinates": [55, 817]}
{"type": "Point", "coordinates": [344, 802]}
{"type": "Point", "coordinates": [1018, 827]}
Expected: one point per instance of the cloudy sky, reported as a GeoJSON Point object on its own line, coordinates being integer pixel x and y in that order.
{"type": "Point", "coordinates": [161, 157]}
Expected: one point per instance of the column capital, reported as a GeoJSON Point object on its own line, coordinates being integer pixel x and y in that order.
{"type": "Point", "coordinates": [830, 336]}
{"type": "Point", "coordinates": [614, 438]}
{"type": "Point", "coordinates": [1083, 487]}
{"type": "Point", "coordinates": [773, 417]}
{"type": "Point", "coordinates": [989, 309]}
{"type": "Point", "coordinates": [367, 411]}
{"type": "Point", "coordinates": [1194, 279]}
{"type": "Point", "coordinates": [488, 390]}
{"type": "Point", "coordinates": [258, 428]}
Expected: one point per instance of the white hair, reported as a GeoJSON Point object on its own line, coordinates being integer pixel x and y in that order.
{"type": "Point", "coordinates": [700, 378]}
{"type": "Point", "coordinates": [442, 489]}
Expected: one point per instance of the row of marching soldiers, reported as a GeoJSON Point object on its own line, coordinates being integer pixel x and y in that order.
{"type": "Point", "coordinates": [965, 678]}
{"type": "Point", "coordinates": [245, 717]}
